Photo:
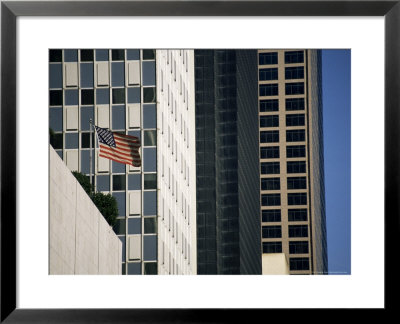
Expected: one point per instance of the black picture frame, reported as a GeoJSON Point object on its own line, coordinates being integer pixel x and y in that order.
{"type": "Point", "coordinates": [10, 10]}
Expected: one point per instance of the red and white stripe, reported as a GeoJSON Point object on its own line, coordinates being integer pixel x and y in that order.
{"type": "Point", "coordinates": [126, 150]}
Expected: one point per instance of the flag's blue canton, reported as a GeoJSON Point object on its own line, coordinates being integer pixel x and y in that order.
{"type": "Point", "coordinates": [105, 136]}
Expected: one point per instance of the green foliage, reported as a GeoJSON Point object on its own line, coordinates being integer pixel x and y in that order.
{"type": "Point", "coordinates": [106, 204]}
{"type": "Point", "coordinates": [84, 180]}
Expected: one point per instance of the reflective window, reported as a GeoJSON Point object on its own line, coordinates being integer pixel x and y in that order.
{"type": "Point", "coordinates": [134, 95]}
{"type": "Point", "coordinates": [134, 182]}
{"type": "Point", "coordinates": [149, 203]}
{"type": "Point", "coordinates": [267, 58]}
{"type": "Point", "coordinates": [271, 215]}
{"type": "Point", "coordinates": [121, 202]}
{"type": "Point", "coordinates": [56, 119]}
{"type": "Point", "coordinates": [86, 75]}
{"type": "Point", "coordinates": [103, 96]}
{"type": "Point", "coordinates": [272, 247]}
{"type": "Point", "coordinates": [85, 140]}
{"type": "Point", "coordinates": [70, 55]}
{"type": "Point", "coordinates": [294, 57]}
{"type": "Point", "coordinates": [118, 117]}
{"type": "Point", "coordinates": [87, 113]}
{"type": "Point", "coordinates": [299, 247]}
{"type": "Point", "coordinates": [120, 227]}
{"type": "Point", "coordinates": [294, 88]}
{"type": "Point", "coordinates": [56, 98]}
{"type": "Point", "coordinates": [119, 182]}
{"type": "Point", "coordinates": [118, 96]}
{"type": "Point", "coordinates": [296, 183]}
{"type": "Point", "coordinates": [296, 72]}
{"type": "Point", "coordinates": [298, 230]}
{"type": "Point", "coordinates": [269, 105]}
{"type": "Point", "coordinates": [297, 215]}
{"type": "Point", "coordinates": [85, 161]}
{"type": "Point", "coordinates": [295, 104]}
{"type": "Point", "coordinates": [55, 76]}
{"type": "Point", "coordinates": [270, 168]}
{"type": "Point", "coordinates": [150, 225]}
{"type": "Point", "coordinates": [101, 55]}
{"type": "Point", "coordinates": [103, 183]}
{"type": "Point", "coordinates": [118, 74]}
{"type": "Point", "coordinates": [269, 136]}
{"type": "Point", "coordinates": [87, 97]}
{"type": "Point", "coordinates": [270, 183]}
{"type": "Point", "coordinates": [86, 55]}
{"type": "Point", "coordinates": [149, 73]}
{"type": "Point", "coordinates": [118, 55]}
{"type": "Point", "coordinates": [150, 138]}
{"type": "Point", "coordinates": [123, 240]}
{"type": "Point", "coordinates": [134, 268]}
{"type": "Point", "coordinates": [268, 89]}
{"type": "Point", "coordinates": [118, 167]}
{"type": "Point", "coordinates": [297, 198]}
{"type": "Point", "coordinates": [134, 226]}
{"type": "Point", "coordinates": [269, 121]}
{"type": "Point", "coordinates": [268, 74]}
{"type": "Point", "coordinates": [149, 247]}
{"type": "Point", "coordinates": [56, 141]}
{"type": "Point", "coordinates": [149, 116]}
{"type": "Point", "coordinates": [149, 160]}
{"type": "Point", "coordinates": [295, 151]}
{"type": "Point", "coordinates": [55, 55]}
{"type": "Point", "coordinates": [271, 199]}
{"type": "Point", "coordinates": [299, 264]}
{"type": "Point", "coordinates": [296, 167]}
{"type": "Point", "coordinates": [150, 181]}
{"type": "Point", "coordinates": [295, 120]}
{"type": "Point", "coordinates": [149, 54]}
{"type": "Point", "coordinates": [71, 97]}
{"type": "Point", "coordinates": [271, 232]}
{"type": "Point", "coordinates": [149, 95]}
{"type": "Point", "coordinates": [71, 140]}
{"type": "Point", "coordinates": [150, 268]}
{"type": "Point", "coordinates": [296, 135]}
{"type": "Point", "coordinates": [269, 152]}
{"type": "Point", "coordinates": [133, 54]}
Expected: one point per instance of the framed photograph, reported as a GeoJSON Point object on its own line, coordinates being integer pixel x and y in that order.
{"type": "Point", "coordinates": [33, 36]}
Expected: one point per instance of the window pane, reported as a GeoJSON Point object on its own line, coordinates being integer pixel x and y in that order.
{"type": "Point", "coordinates": [71, 140]}
{"type": "Point", "coordinates": [271, 232]}
{"type": "Point", "coordinates": [294, 72]}
{"type": "Point", "coordinates": [103, 183]}
{"type": "Point", "coordinates": [269, 121]}
{"type": "Point", "coordinates": [118, 117]}
{"type": "Point", "coordinates": [55, 76]}
{"type": "Point", "coordinates": [294, 57]}
{"type": "Point", "coordinates": [87, 113]}
{"type": "Point", "coordinates": [85, 162]}
{"type": "Point", "coordinates": [134, 268]}
{"type": "Point", "coordinates": [149, 247]}
{"type": "Point", "coordinates": [149, 73]}
{"type": "Point", "coordinates": [101, 55]}
{"type": "Point", "coordinates": [271, 215]}
{"type": "Point", "coordinates": [268, 89]}
{"type": "Point", "coordinates": [269, 136]}
{"type": "Point", "coordinates": [269, 105]}
{"type": "Point", "coordinates": [149, 160]}
{"type": "Point", "coordinates": [270, 183]}
{"type": "Point", "coordinates": [56, 119]}
{"type": "Point", "coordinates": [118, 96]}
{"type": "Point", "coordinates": [298, 247]}
{"type": "Point", "coordinates": [270, 168]}
{"type": "Point", "coordinates": [149, 116]}
{"type": "Point", "coordinates": [271, 199]}
{"type": "Point", "coordinates": [87, 97]}
{"type": "Point", "coordinates": [55, 55]}
{"type": "Point", "coordinates": [298, 230]}
{"type": "Point", "coordinates": [150, 181]}
{"type": "Point", "coordinates": [149, 95]}
{"type": "Point", "coordinates": [56, 141]}
{"type": "Point", "coordinates": [268, 74]}
{"type": "Point", "coordinates": [268, 58]}
{"type": "Point", "coordinates": [294, 88]}
{"type": "Point", "coordinates": [149, 54]}
{"type": "Point", "coordinates": [295, 104]}
{"type": "Point", "coordinates": [121, 202]}
{"type": "Point", "coordinates": [297, 215]}
{"type": "Point", "coordinates": [103, 96]}
{"type": "Point", "coordinates": [134, 182]}
{"type": "Point", "coordinates": [150, 225]}
{"type": "Point", "coordinates": [272, 247]}
{"type": "Point", "coordinates": [295, 120]}
{"type": "Point", "coordinates": [150, 268]}
{"type": "Point", "coordinates": [299, 264]}
{"type": "Point", "coordinates": [270, 152]}
{"type": "Point", "coordinates": [86, 76]}
{"type": "Point", "coordinates": [134, 226]}
{"type": "Point", "coordinates": [118, 74]}
{"type": "Point", "coordinates": [85, 140]}
{"type": "Point", "coordinates": [119, 182]}
{"type": "Point", "coordinates": [56, 98]}
{"type": "Point", "coordinates": [71, 97]}
{"type": "Point", "coordinates": [296, 167]}
{"type": "Point", "coordinates": [86, 55]}
{"type": "Point", "coordinates": [70, 55]}
{"type": "Point", "coordinates": [150, 138]}
{"type": "Point", "coordinates": [133, 54]}
{"type": "Point", "coordinates": [120, 227]}
{"type": "Point", "coordinates": [296, 135]}
{"type": "Point", "coordinates": [134, 95]}
{"type": "Point", "coordinates": [150, 203]}
{"type": "Point", "coordinates": [117, 55]}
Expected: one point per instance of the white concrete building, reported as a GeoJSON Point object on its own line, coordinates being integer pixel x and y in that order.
{"type": "Point", "coordinates": [80, 239]}
{"type": "Point", "coordinates": [176, 162]}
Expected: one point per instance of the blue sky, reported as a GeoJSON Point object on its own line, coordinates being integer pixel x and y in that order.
{"type": "Point", "coordinates": [336, 109]}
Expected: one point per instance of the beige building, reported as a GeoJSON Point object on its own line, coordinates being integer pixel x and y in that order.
{"type": "Point", "coordinates": [80, 239]}
{"type": "Point", "coordinates": [291, 159]}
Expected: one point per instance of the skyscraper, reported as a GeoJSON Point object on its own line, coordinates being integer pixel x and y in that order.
{"type": "Point", "coordinates": [176, 167]}
{"type": "Point", "coordinates": [227, 162]}
{"type": "Point", "coordinates": [291, 159]}
{"type": "Point", "coordinates": [117, 90]}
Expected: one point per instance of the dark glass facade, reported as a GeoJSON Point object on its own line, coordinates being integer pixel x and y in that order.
{"type": "Point", "coordinates": [228, 216]}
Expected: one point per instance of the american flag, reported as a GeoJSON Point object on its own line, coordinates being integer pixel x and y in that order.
{"type": "Point", "coordinates": [119, 147]}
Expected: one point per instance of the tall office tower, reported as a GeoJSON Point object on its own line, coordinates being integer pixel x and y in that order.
{"type": "Point", "coordinates": [176, 167]}
{"type": "Point", "coordinates": [117, 90]}
{"type": "Point", "coordinates": [227, 162]}
{"type": "Point", "coordinates": [291, 158]}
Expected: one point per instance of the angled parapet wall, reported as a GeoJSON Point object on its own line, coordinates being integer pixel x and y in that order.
{"type": "Point", "coordinates": [81, 241]}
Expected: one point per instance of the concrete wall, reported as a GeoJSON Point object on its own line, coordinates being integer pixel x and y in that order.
{"type": "Point", "coordinates": [275, 264]}
{"type": "Point", "coordinates": [81, 241]}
